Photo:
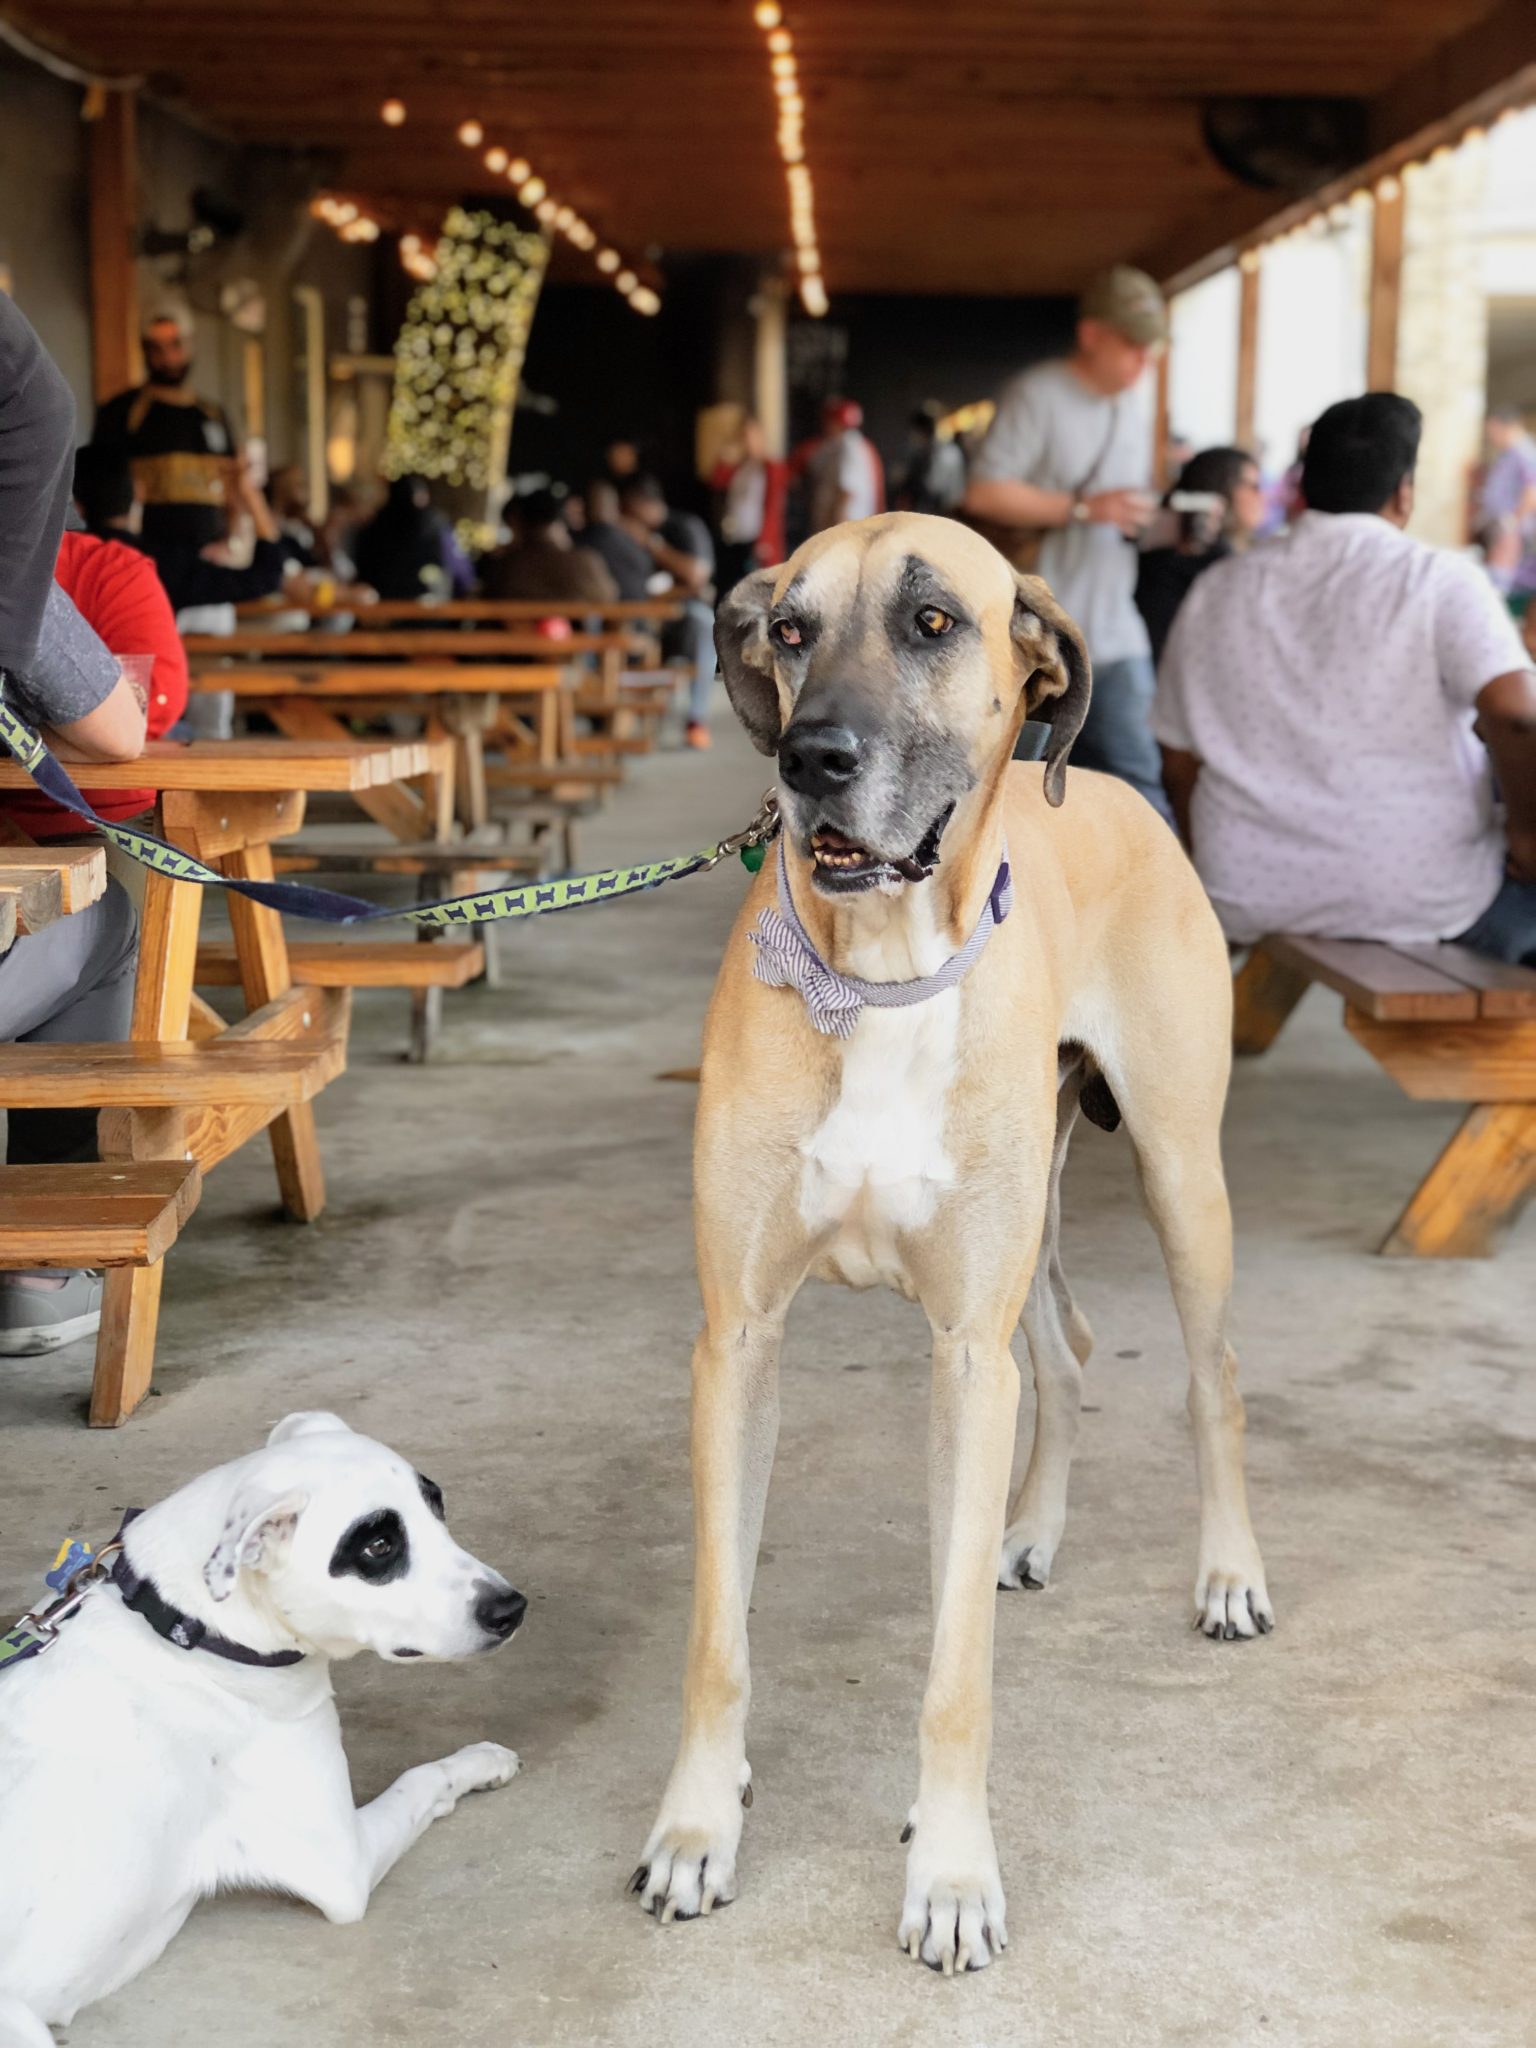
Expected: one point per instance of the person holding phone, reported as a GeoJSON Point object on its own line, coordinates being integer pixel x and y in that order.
{"type": "Point", "coordinates": [1065, 467]}
{"type": "Point", "coordinates": [1218, 503]}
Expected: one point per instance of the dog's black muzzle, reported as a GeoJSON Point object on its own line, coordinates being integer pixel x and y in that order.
{"type": "Point", "coordinates": [820, 758]}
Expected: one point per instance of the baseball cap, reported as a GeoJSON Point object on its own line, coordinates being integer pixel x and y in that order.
{"type": "Point", "coordinates": [1129, 301]}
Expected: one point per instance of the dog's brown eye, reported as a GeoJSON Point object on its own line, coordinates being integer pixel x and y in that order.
{"type": "Point", "coordinates": [933, 622]}
{"type": "Point", "coordinates": [786, 632]}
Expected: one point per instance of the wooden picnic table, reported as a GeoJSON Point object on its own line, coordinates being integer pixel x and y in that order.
{"type": "Point", "coordinates": [509, 644]}
{"type": "Point", "coordinates": [186, 1087]}
{"type": "Point", "coordinates": [39, 884]}
{"type": "Point", "coordinates": [460, 705]}
{"type": "Point", "coordinates": [656, 611]}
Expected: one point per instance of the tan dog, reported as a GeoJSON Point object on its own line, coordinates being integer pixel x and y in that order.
{"type": "Point", "coordinates": [890, 665]}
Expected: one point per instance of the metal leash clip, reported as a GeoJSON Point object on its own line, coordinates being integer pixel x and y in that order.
{"type": "Point", "coordinates": [752, 839]}
{"type": "Point", "coordinates": [45, 1622]}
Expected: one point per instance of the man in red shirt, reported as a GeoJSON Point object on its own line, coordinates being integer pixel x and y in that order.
{"type": "Point", "coordinates": [117, 590]}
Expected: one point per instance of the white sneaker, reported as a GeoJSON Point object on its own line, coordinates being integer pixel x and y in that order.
{"type": "Point", "coordinates": [36, 1315]}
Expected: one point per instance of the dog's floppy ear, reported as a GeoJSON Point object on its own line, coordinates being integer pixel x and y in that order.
{"type": "Point", "coordinates": [1057, 677]}
{"type": "Point", "coordinates": [257, 1535]}
{"type": "Point", "coordinates": [307, 1422]}
{"type": "Point", "coordinates": [746, 658]}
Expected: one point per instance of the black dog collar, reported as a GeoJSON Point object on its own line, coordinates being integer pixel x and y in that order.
{"type": "Point", "coordinates": [187, 1633]}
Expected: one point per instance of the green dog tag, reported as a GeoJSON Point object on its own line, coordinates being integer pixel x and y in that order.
{"type": "Point", "coordinates": [752, 858]}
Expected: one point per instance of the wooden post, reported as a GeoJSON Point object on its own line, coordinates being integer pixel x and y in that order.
{"type": "Point", "coordinates": [1160, 422]}
{"type": "Point", "coordinates": [1386, 286]}
{"type": "Point", "coordinates": [114, 219]}
{"type": "Point", "coordinates": [1247, 348]}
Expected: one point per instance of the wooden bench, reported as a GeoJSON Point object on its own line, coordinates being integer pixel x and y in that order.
{"type": "Point", "coordinates": [186, 1087]}
{"type": "Point", "coordinates": [94, 1215]}
{"type": "Point", "coordinates": [1448, 1025]}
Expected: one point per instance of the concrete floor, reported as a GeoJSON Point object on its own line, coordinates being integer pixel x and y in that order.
{"type": "Point", "coordinates": [1323, 1839]}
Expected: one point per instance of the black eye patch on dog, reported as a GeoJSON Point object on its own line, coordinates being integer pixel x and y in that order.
{"type": "Point", "coordinates": [374, 1549]}
{"type": "Point", "coordinates": [432, 1494]}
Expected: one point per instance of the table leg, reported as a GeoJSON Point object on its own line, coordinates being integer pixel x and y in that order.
{"type": "Point", "coordinates": [1474, 1190]}
{"type": "Point", "coordinates": [394, 806]}
{"type": "Point", "coordinates": [162, 1003]}
{"type": "Point", "coordinates": [264, 974]}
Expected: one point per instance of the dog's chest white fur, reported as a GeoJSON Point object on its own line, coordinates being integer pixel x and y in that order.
{"type": "Point", "coordinates": [878, 1163]}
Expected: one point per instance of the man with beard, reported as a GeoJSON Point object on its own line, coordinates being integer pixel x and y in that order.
{"type": "Point", "coordinates": [179, 445]}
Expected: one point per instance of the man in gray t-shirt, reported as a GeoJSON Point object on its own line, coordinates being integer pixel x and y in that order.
{"type": "Point", "coordinates": [1068, 455]}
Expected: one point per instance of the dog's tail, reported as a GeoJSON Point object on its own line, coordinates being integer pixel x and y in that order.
{"type": "Point", "coordinates": [20, 2026]}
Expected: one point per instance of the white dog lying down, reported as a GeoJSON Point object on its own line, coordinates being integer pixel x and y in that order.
{"type": "Point", "coordinates": [180, 1734]}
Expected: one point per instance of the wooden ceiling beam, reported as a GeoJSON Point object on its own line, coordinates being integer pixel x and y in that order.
{"type": "Point", "coordinates": [1486, 68]}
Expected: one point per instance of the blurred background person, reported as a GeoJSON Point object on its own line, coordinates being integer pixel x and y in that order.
{"type": "Point", "coordinates": [616, 546]}
{"type": "Point", "coordinates": [540, 559]}
{"type": "Point", "coordinates": [1205, 534]}
{"type": "Point", "coordinates": [1061, 483]}
{"type": "Point", "coordinates": [683, 565]}
{"type": "Point", "coordinates": [754, 486]}
{"type": "Point", "coordinates": [933, 479]}
{"type": "Point", "coordinates": [407, 549]}
{"type": "Point", "coordinates": [1506, 503]}
{"type": "Point", "coordinates": [179, 445]}
{"type": "Point", "coordinates": [844, 476]}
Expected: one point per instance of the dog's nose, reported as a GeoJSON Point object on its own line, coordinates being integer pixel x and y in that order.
{"type": "Point", "coordinates": [499, 1610]}
{"type": "Point", "coordinates": [819, 760]}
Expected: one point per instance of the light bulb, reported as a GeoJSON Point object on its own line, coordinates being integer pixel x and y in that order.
{"type": "Point", "coordinates": [767, 13]}
{"type": "Point", "coordinates": [532, 191]}
{"type": "Point", "coordinates": [781, 42]}
{"type": "Point", "coordinates": [392, 113]}
{"type": "Point", "coordinates": [626, 281]}
{"type": "Point", "coordinates": [471, 134]}
{"type": "Point", "coordinates": [519, 171]}
{"type": "Point", "coordinates": [609, 260]}
{"type": "Point", "coordinates": [496, 160]}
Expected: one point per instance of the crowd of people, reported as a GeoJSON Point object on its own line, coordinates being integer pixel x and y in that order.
{"type": "Point", "coordinates": [1338, 719]}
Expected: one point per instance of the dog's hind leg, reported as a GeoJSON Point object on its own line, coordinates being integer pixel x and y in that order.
{"type": "Point", "coordinates": [1059, 1345]}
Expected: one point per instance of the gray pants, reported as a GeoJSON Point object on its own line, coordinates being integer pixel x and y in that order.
{"type": "Point", "coordinates": [69, 984]}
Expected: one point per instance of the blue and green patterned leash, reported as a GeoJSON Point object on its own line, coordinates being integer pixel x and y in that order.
{"type": "Point", "coordinates": [328, 906]}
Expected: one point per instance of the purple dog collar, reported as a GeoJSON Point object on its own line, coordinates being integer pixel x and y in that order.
{"type": "Point", "coordinates": [787, 959]}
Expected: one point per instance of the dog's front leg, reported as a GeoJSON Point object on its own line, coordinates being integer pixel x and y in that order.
{"type": "Point", "coordinates": [689, 1863]}
{"type": "Point", "coordinates": [954, 1915]}
{"type": "Point", "coordinates": [315, 1843]}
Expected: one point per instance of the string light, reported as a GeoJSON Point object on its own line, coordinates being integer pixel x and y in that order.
{"type": "Point", "coordinates": [392, 113]}
{"type": "Point", "coordinates": [460, 352]}
{"type": "Point", "coordinates": [784, 77]}
{"type": "Point", "coordinates": [560, 218]}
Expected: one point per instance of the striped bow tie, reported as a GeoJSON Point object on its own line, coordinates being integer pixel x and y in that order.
{"type": "Point", "coordinates": [785, 958]}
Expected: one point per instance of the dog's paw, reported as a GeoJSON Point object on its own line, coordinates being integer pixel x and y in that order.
{"type": "Point", "coordinates": [482, 1767]}
{"type": "Point", "coordinates": [954, 1917]}
{"type": "Point", "coordinates": [1024, 1562]}
{"type": "Point", "coordinates": [1232, 1602]}
{"type": "Point", "coordinates": [689, 1865]}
